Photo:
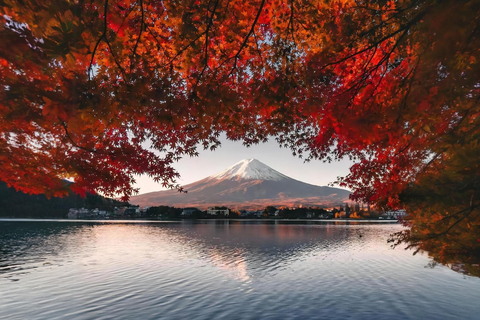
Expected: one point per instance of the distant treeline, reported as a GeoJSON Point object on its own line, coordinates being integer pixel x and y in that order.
{"type": "Point", "coordinates": [166, 212]}
{"type": "Point", "coordinates": [14, 204]}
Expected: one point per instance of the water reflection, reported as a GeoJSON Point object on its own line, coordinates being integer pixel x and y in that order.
{"type": "Point", "coordinates": [227, 244]}
{"type": "Point", "coordinates": [241, 248]}
{"type": "Point", "coordinates": [459, 250]}
{"type": "Point", "coordinates": [218, 270]}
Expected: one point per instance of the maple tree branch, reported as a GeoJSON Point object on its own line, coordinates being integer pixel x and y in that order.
{"type": "Point", "coordinates": [125, 17]}
{"type": "Point", "coordinates": [450, 132]}
{"type": "Point", "coordinates": [405, 28]}
{"type": "Point", "coordinates": [142, 27]}
{"type": "Point", "coordinates": [358, 85]}
{"type": "Point", "coordinates": [209, 25]}
{"type": "Point", "coordinates": [290, 22]}
{"type": "Point", "coordinates": [179, 53]}
{"type": "Point", "coordinates": [157, 41]}
{"type": "Point", "coordinates": [378, 83]}
{"type": "Point", "coordinates": [449, 216]}
{"type": "Point", "coordinates": [252, 29]}
{"type": "Point", "coordinates": [119, 66]}
{"type": "Point", "coordinates": [465, 215]}
{"type": "Point", "coordinates": [102, 37]}
{"type": "Point", "coordinates": [382, 23]}
{"type": "Point", "coordinates": [76, 145]}
{"type": "Point", "coordinates": [258, 49]}
{"type": "Point", "coordinates": [105, 39]}
{"type": "Point", "coordinates": [368, 73]}
{"type": "Point", "coordinates": [398, 10]}
{"type": "Point", "coordinates": [411, 76]}
{"type": "Point", "coordinates": [431, 161]}
{"type": "Point", "coordinates": [367, 62]}
{"type": "Point", "coordinates": [205, 65]}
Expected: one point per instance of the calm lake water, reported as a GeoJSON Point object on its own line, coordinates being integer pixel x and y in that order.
{"type": "Point", "coordinates": [222, 270]}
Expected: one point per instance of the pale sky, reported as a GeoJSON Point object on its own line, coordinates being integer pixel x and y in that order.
{"type": "Point", "coordinates": [281, 159]}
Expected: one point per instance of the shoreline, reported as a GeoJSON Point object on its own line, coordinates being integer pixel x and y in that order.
{"type": "Point", "coordinates": [193, 220]}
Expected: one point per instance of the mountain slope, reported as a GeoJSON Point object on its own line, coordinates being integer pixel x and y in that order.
{"type": "Point", "coordinates": [247, 184]}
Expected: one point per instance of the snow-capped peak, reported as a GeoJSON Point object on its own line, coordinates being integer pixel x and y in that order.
{"type": "Point", "coordinates": [250, 169]}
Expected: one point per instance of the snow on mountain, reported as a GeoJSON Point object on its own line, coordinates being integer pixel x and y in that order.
{"type": "Point", "coordinates": [250, 169]}
{"type": "Point", "coordinates": [247, 184]}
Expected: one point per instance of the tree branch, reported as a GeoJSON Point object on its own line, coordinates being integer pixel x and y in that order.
{"type": "Point", "coordinates": [252, 29]}
{"type": "Point", "coordinates": [403, 28]}
{"type": "Point", "coordinates": [102, 37]}
{"type": "Point", "coordinates": [105, 39]}
{"type": "Point", "coordinates": [179, 53]}
{"type": "Point", "coordinates": [207, 30]}
{"type": "Point", "coordinates": [142, 27]}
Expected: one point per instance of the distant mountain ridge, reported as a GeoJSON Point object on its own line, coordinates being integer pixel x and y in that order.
{"type": "Point", "coordinates": [246, 184]}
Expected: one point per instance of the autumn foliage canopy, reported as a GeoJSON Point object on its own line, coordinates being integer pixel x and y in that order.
{"type": "Point", "coordinates": [101, 90]}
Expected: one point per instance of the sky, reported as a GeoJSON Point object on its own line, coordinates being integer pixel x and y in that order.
{"type": "Point", "coordinates": [208, 162]}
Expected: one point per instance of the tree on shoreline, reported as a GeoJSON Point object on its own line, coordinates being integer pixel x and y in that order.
{"type": "Point", "coordinates": [15, 204]}
{"type": "Point", "coordinates": [101, 90]}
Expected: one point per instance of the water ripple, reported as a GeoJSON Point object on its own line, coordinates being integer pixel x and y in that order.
{"type": "Point", "coordinates": [216, 271]}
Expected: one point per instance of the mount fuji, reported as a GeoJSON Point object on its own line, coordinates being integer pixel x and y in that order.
{"type": "Point", "coordinates": [248, 184]}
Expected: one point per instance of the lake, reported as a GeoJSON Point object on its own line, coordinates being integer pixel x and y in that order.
{"type": "Point", "coordinates": [221, 269]}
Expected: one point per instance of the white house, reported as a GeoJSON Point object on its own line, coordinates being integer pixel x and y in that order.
{"type": "Point", "coordinates": [219, 212]}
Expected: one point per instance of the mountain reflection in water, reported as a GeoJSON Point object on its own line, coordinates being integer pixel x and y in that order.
{"type": "Point", "coordinates": [221, 269]}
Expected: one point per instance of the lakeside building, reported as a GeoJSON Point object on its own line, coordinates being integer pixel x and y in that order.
{"type": "Point", "coordinates": [132, 211]}
{"type": "Point", "coordinates": [82, 213]}
{"type": "Point", "coordinates": [395, 214]}
{"type": "Point", "coordinates": [218, 212]}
